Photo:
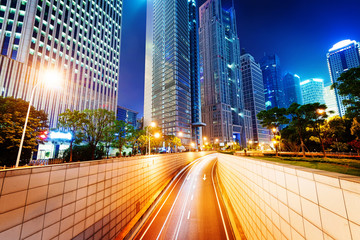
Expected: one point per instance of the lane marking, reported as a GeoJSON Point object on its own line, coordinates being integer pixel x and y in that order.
{"type": "Point", "coordinates": [217, 198]}
{"type": "Point", "coordinates": [200, 166]}
{"type": "Point", "coordinates": [180, 173]}
{"type": "Point", "coordinates": [188, 215]}
{"type": "Point", "coordinates": [204, 178]}
{"type": "Point", "coordinates": [177, 196]}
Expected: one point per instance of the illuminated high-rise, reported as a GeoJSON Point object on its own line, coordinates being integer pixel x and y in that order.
{"type": "Point", "coordinates": [254, 99]}
{"type": "Point", "coordinates": [341, 57]}
{"type": "Point", "coordinates": [312, 91]}
{"type": "Point", "coordinates": [292, 89]}
{"type": "Point", "coordinates": [220, 75]}
{"type": "Point", "coordinates": [172, 89]}
{"type": "Point", "coordinates": [78, 39]}
{"type": "Point", "coordinates": [273, 82]}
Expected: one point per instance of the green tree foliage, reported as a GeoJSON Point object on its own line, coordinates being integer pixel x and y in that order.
{"type": "Point", "coordinates": [355, 128]}
{"type": "Point", "coordinates": [12, 119]}
{"type": "Point", "coordinates": [348, 84]}
{"type": "Point", "coordinates": [172, 141]}
{"type": "Point", "coordinates": [94, 125]}
{"type": "Point", "coordinates": [72, 121]}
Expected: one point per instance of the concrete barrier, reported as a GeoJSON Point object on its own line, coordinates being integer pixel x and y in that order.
{"type": "Point", "coordinates": [280, 201]}
{"type": "Point", "coordinates": [87, 200]}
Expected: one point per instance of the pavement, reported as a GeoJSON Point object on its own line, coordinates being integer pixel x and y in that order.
{"type": "Point", "coordinates": [190, 208]}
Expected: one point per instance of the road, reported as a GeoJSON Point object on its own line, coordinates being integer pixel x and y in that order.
{"type": "Point", "coordinates": [190, 208]}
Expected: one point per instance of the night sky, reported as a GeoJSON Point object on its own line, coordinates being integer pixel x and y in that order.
{"type": "Point", "coordinates": [300, 32]}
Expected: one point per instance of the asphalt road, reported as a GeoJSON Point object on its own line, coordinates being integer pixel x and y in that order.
{"type": "Point", "coordinates": [191, 208]}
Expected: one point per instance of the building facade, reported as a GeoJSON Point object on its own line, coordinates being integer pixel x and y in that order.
{"type": "Point", "coordinates": [341, 57]}
{"type": "Point", "coordinates": [127, 115]}
{"type": "Point", "coordinates": [292, 89]}
{"type": "Point", "coordinates": [330, 101]}
{"type": "Point", "coordinates": [254, 98]}
{"type": "Point", "coordinates": [272, 79]}
{"type": "Point", "coordinates": [312, 91]}
{"type": "Point", "coordinates": [220, 75]}
{"type": "Point", "coordinates": [172, 97]}
{"type": "Point", "coordinates": [80, 40]}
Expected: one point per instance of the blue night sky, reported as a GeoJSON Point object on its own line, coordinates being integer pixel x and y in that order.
{"type": "Point", "coordinates": [300, 32]}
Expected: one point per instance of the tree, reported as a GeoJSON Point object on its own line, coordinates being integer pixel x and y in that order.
{"type": "Point", "coordinates": [172, 141]}
{"type": "Point", "coordinates": [94, 126]}
{"type": "Point", "coordinates": [273, 119]}
{"type": "Point", "coordinates": [301, 117]}
{"type": "Point", "coordinates": [72, 121]}
{"type": "Point", "coordinates": [12, 118]}
{"type": "Point", "coordinates": [348, 84]}
{"type": "Point", "coordinates": [355, 128]}
{"type": "Point", "coordinates": [317, 116]}
{"type": "Point", "coordinates": [121, 129]}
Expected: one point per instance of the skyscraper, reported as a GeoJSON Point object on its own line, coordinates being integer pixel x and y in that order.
{"type": "Point", "coordinates": [312, 91]}
{"type": "Point", "coordinates": [292, 89]}
{"type": "Point", "coordinates": [172, 97]}
{"type": "Point", "coordinates": [330, 100]}
{"type": "Point", "coordinates": [273, 85]}
{"type": "Point", "coordinates": [254, 99]}
{"type": "Point", "coordinates": [220, 74]}
{"type": "Point", "coordinates": [341, 57]}
{"type": "Point", "coordinates": [78, 39]}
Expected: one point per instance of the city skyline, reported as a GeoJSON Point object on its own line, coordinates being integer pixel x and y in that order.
{"type": "Point", "coordinates": [315, 43]}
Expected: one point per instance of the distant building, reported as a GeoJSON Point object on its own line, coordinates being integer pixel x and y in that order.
{"type": "Point", "coordinates": [330, 100]}
{"type": "Point", "coordinates": [341, 57]}
{"type": "Point", "coordinates": [273, 85]}
{"type": "Point", "coordinates": [220, 75]}
{"type": "Point", "coordinates": [127, 115]}
{"type": "Point", "coordinates": [254, 99]}
{"type": "Point", "coordinates": [292, 89]}
{"type": "Point", "coordinates": [312, 91]}
{"type": "Point", "coordinates": [172, 87]}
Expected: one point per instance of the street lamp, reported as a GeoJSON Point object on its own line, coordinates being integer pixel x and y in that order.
{"type": "Point", "coordinates": [250, 142]}
{"type": "Point", "coordinates": [52, 79]}
{"type": "Point", "coordinates": [180, 134]}
{"type": "Point", "coordinates": [192, 145]}
{"type": "Point", "coordinates": [320, 111]}
{"type": "Point", "coordinates": [152, 124]}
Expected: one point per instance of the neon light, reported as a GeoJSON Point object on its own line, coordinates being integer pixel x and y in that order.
{"type": "Point", "coordinates": [60, 135]}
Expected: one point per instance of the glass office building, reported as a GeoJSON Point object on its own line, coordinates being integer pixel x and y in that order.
{"type": "Point", "coordinates": [273, 85]}
{"type": "Point", "coordinates": [254, 99]}
{"type": "Point", "coordinates": [172, 97]}
{"type": "Point", "coordinates": [312, 91]}
{"type": "Point", "coordinates": [341, 57]}
{"type": "Point", "coordinates": [79, 39]}
{"type": "Point", "coordinates": [127, 115]}
{"type": "Point", "coordinates": [220, 75]}
{"type": "Point", "coordinates": [292, 89]}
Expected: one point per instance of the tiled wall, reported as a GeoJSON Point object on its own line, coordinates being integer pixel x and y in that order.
{"type": "Point", "coordinates": [278, 201]}
{"type": "Point", "coordinates": [87, 200]}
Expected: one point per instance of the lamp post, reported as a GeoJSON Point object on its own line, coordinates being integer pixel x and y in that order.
{"type": "Point", "coordinates": [53, 80]}
{"type": "Point", "coordinates": [180, 134]}
{"type": "Point", "coordinates": [192, 145]}
{"type": "Point", "coordinates": [250, 143]}
{"type": "Point", "coordinates": [152, 124]}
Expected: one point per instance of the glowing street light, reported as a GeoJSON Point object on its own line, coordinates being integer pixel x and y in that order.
{"type": "Point", "coordinates": [216, 140]}
{"type": "Point", "coordinates": [52, 79]}
{"type": "Point", "coordinates": [180, 134]}
{"type": "Point", "coordinates": [274, 130]}
{"type": "Point", "coordinates": [157, 135]}
{"type": "Point", "coordinates": [320, 111]}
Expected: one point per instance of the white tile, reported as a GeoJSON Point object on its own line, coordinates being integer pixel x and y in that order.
{"type": "Point", "coordinates": [292, 183]}
{"type": "Point", "coordinates": [331, 198]}
{"type": "Point", "coordinates": [350, 186]}
{"type": "Point", "coordinates": [294, 202]}
{"type": "Point", "coordinates": [295, 235]}
{"type": "Point", "coordinates": [311, 212]}
{"type": "Point", "coordinates": [12, 233]}
{"type": "Point", "coordinates": [304, 174]}
{"type": "Point", "coordinates": [327, 180]}
{"type": "Point", "coordinates": [39, 179]}
{"type": "Point", "coordinates": [297, 222]}
{"type": "Point", "coordinates": [336, 226]}
{"type": "Point", "coordinates": [355, 231]}
{"type": "Point", "coordinates": [284, 212]}
{"type": "Point", "coordinates": [352, 201]}
{"type": "Point", "coordinates": [308, 189]}
{"type": "Point", "coordinates": [312, 232]}
{"type": "Point", "coordinates": [15, 184]}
